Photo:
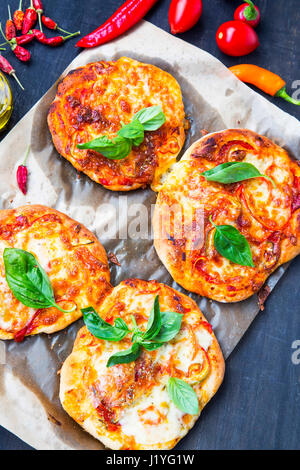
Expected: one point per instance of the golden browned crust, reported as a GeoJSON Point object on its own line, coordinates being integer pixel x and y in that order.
{"type": "Point", "coordinates": [268, 217]}
{"type": "Point", "coordinates": [100, 399]}
{"type": "Point", "coordinates": [73, 258]}
{"type": "Point", "coordinates": [93, 100]}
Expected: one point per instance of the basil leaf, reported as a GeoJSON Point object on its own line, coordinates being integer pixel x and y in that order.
{"type": "Point", "coordinates": [152, 118]}
{"type": "Point", "coordinates": [232, 172]}
{"type": "Point", "coordinates": [114, 149]}
{"type": "Point", "coordinates": [183, 396]}
{"type": "Point", "coordinates": [147, 119]}
{"type": "Point", "coordinates": [119, 323]}
{"type": "Point", "coordinates": [154, 322]}
{"type": "Point", "coordinates": [231, 244]}
{"type": "Point", "coordinates": [150, 345]}
{"type": "Point", "coordinates": [28, 281]}
{"type": "Point", "coordinates": [125, 357]}
{"type": "Point", "coordinates": [134, 131]}
{"type": "Point", "coordinates": [101, 329]}
{"type": "Point", "coordinates": [170, 326]}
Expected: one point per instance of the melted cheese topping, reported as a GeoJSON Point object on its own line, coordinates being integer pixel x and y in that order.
{"type": "Point", "coordinates": [154, 419]}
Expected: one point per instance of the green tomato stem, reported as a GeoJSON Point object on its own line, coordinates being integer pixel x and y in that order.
{"type": "Point", "coordinates": [250, 12]}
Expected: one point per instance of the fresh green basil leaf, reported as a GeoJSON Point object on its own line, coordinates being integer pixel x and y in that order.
{"type": "Point", "coordinates": [231, 244]}
{"type": "Point", "coordinates": [152, 118]}
{"type": "Point", "coordinates": [125, 357]}
{"type": "Point", "coordinates": [170, 326]}
{"type": "Point", "coordinates": [150, 345]}
{"type": "Point", "coordinates": [114, 149]}
{"type": "Point", "coordinates": [28, 281]}
{"type": "Point", "coordinates": [119, 323]}
{"type": "Point", "coordinates": [134, 131]}
{"type": "Point", "coordinates": [154, 322]}
{"type": "Point", "coordinates": [101, 329]}
{"type": "Point", "coordinates": [183, 396]}
{"type": "Point", "coordinates": [232, 172]}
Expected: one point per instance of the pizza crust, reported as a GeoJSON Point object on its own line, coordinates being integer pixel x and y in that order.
{"type": "Point", "coordinates": [93, 100]}
{"type": "Point", "coordinates": [73, 258]}
{"type": "Point", "coordinates": [268, 217]}
{"type": "Point", "coordinates": [86, 387]}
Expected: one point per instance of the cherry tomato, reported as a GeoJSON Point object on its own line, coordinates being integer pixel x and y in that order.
{"type": "Point", "coordinates": [184, 14]}
{"type": "Point", "coordinates": [236, 38]}
{"type": "Point", "coordinates": [248, 13]}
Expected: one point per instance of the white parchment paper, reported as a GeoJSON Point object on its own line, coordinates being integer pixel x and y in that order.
{"type": "Point", "coordinates": [214, 99]}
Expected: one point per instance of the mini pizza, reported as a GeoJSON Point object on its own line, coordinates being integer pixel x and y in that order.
{"type": "Point", "coordinates": [128, 406]}
{"type": "Point", "coordinates": [72, 258]}
{"type": "Point", "coordinates": [262, 208]}
{"type": "Point", "coordinates": [94, 100]}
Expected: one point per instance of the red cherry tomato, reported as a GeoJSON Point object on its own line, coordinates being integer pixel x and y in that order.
{"type": "Point", "coordinates": [236, 38]}
{"type": "Point", "coordinates": [248, 13]}
{"type": "Point", "coordinates": [184, 14]}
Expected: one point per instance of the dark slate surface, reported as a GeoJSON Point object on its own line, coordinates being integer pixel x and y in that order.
{"type": "Point", "coordinates": [258, 405]}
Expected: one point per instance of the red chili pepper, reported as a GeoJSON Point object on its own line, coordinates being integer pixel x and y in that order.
{"type": "Point", "coordinates": [30, 18]}
{"type": "Point", "coordinates": [39, 35]}
{"type": "Point", "coordinates": [22, 174]}
{"type": "Point", "coordinates": [40, 10]}
{"type": "Point", "coordinates": [10, 30]}
{"type": "Point", "coordinates": [22, 54]}
{"type": "Point", "coordinates": [50, 24]}
{"type": "Point", "coordinates": [130, 13]}
{"type": "Point", "coordinates": [6, 67]}
{"type": "Point", "coordinates": [18, 17]}
{"type": "Point", "coordinates": [25, 38]}
{"type": "Point", "coordinates": [184, 14]}
{"type": "Point", "coordinates": [248, 13]}
{"type": "Point", "coordinates": [53, 42]}
{"type": "Point", "coordinates": [19, 51]}
{"type": "Point", "coordinates": [21, 40]}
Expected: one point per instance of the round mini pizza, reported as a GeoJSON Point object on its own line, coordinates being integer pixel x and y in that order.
{"type": "Point", "coordinates": [50, 267]}
{"type": "Point", "coordinates": [145, 384]}
{"type": "Point", "coordinates": [228, 215]}
{"type": "Point", "coordinates": [97, 100]}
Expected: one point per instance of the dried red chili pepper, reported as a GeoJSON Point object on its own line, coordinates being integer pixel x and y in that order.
{"type": "Point", "coordinates": [50, 24]}
{"type": "Point", "coordinates": [39, 9]}
{"type": "Point", "coordinates": [22, 54]}
{"type": "Point", "coordinates": [19, 51]}
{"type": "Point", "coordinates": [124, 18]}
{"type": "Point", "coordinates": [21, 40]}
{"type": "Point", "coordinates": [53, 42]}
{"type": "Point", "coordinates": [39, 35]}
{"type": "Point", "coordinates": [30, 19]}
{"type": "Point", "coordinates": [25, 38]}
{"type": "Point", "coordinates": [10, 30]}
{"type": "Point", "coordinates": [6, 67]}
{"type": "Point", "coordinates": [22, 174]}
{"type": "Point", "coordinates": [18, 17]}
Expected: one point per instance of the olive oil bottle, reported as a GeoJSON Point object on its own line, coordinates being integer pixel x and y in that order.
{"type": "Point", "coordinates": [6, 102]}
